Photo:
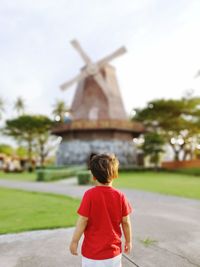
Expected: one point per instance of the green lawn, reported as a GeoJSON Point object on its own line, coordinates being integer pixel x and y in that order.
{"type": "Point", "coordinates": [26, 176]}
{"type": "Point", "coordinates": [22, 211]}
{"type": "Point", "coordinates": [165, 183]}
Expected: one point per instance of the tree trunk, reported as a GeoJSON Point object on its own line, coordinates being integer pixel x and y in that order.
{"type": "Point", "coordinates": [176, 152]}
{"type": "Point", "coordinates": [30, 165]}
{"type": "Point", "coordinates": [42, 156]}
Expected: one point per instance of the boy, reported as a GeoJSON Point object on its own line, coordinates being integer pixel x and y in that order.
{"type": "Point", "coordinates": [102, 210]}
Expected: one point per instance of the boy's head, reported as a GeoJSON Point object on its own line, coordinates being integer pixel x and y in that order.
{"type": "Point", "coordinates": [104, 167]}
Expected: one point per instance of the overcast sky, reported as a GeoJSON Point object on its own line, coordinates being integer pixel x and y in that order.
{"type": "Point", "coordinates": [162, 39]}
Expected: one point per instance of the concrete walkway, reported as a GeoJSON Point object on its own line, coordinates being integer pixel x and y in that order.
{"type": "Point", "coordinates": [172, 222]}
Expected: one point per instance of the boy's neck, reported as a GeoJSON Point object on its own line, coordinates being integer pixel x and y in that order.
{"type": "Point", "coordinates": [100, 184]}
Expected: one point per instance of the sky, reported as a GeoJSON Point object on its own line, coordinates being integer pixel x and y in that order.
{"type": "Point", "coordinates": [162, 40]}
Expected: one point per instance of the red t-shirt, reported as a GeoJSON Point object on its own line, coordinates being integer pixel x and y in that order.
{"type": "Point", "coordinates": [104, 206]}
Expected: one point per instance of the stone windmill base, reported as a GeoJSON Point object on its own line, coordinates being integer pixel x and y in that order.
{"type": "Point", "coordinates": [78, 151]}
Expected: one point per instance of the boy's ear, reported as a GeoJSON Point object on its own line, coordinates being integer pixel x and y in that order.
{"type": "Point", "coordinates": [116, 176]}
{"type": "Point", "coordinates": [94, 178]}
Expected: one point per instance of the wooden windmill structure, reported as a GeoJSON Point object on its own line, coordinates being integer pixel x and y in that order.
{"type": "Point", "coordinates": [97, 110]}
{"type": "Point", "coordinates": [97, 95]}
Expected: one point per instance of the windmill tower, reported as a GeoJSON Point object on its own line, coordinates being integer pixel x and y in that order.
{"type": "Point", "coordinates": [97, 95]}
{"type": "Point", "coordinates": [99, 121]}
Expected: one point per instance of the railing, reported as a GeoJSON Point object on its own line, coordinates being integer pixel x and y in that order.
{"type": "Point", "coordinates": [99, 124]}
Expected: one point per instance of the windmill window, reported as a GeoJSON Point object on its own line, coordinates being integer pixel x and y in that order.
{"type": "Point", "coordinates": [94, 113]}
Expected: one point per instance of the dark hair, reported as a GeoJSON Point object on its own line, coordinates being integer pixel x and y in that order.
{"type": "Point", "coordinates": [104, 167]}
{"type": "Point", "coordinates": [90, 158]}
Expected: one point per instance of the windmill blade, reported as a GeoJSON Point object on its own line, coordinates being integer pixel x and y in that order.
{"type": "Point", "coordinates": [77, 78]}
{"type": "Point", "coordinates": [101, 82]}
{"type": "Point", "coordinates": [115, 54]}
{"type": "Point", "coordinates": [78, 47]}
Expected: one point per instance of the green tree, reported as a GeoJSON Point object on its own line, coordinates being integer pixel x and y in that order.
{"type": "Point", "coordinates": [19, 106]}
{"type": "Point", "coordinates": [28, 129]}
{"type": "Point", "coordinates": [21, 129]}
{"type": "Point", "coordinates": [6, 149]}
{"type": "Point", "coordinates": [59, 110]}
{"type": "Point", "coordinates": [21, 152]}
{"type": "Point", "coordinates": [44, 139]}
{"type": "Point", "coordinates": [176, 120]}
{"type": "Point", "coordinates": [153, 146]}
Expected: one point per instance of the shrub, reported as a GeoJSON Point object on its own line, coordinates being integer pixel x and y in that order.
{"type": "Point", "coordinates": [57, 173]}
{"type": "Point", "coordinates": [59, 167]}
{"type": "Point", "coordinates": [84, 177]}
{"type": "Point", "coordinates": [50, 175]}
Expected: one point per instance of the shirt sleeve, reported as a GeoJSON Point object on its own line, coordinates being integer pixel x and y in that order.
{"type": "Point", "coordinates": [126, 206]}
{"type": "Point", "coordinates": [84, 208]}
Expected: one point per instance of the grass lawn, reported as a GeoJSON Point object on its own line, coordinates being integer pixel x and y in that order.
{"type": "Point", "coordinates": [22, 211]}
{"type": "Point", "coordinates": [165, 183]}
{"type": "Point", "coordinates": [26, 176]}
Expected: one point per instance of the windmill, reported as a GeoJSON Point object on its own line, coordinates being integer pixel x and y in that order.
{"type": "Point", "coordinates": [99, 122]}
{"type": "Point", "coordinates": [97, 95]}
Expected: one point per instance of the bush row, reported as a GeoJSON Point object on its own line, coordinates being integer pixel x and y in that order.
{"type": "Point", "coordinates": [57, 173]}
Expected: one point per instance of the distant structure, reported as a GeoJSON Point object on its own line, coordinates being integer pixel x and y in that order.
{"type": "Point", "coordinates": [99, 122]}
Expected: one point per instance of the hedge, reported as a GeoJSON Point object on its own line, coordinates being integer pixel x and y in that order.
{"type": "Point", "coordinates": [57, 174]}
{"type": "Point", "coordinates": [84, 177]}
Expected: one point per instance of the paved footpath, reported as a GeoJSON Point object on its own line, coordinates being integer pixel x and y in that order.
{"type": "Point", "coordinates": [172, 222]}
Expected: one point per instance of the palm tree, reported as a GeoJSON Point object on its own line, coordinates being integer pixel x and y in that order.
{"type": "Point", "coordinates": [19, 105]}
{"type": "Point", "coordinates": [59, 110]}
{"type": "Point", "coordinates": [2, 109]}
